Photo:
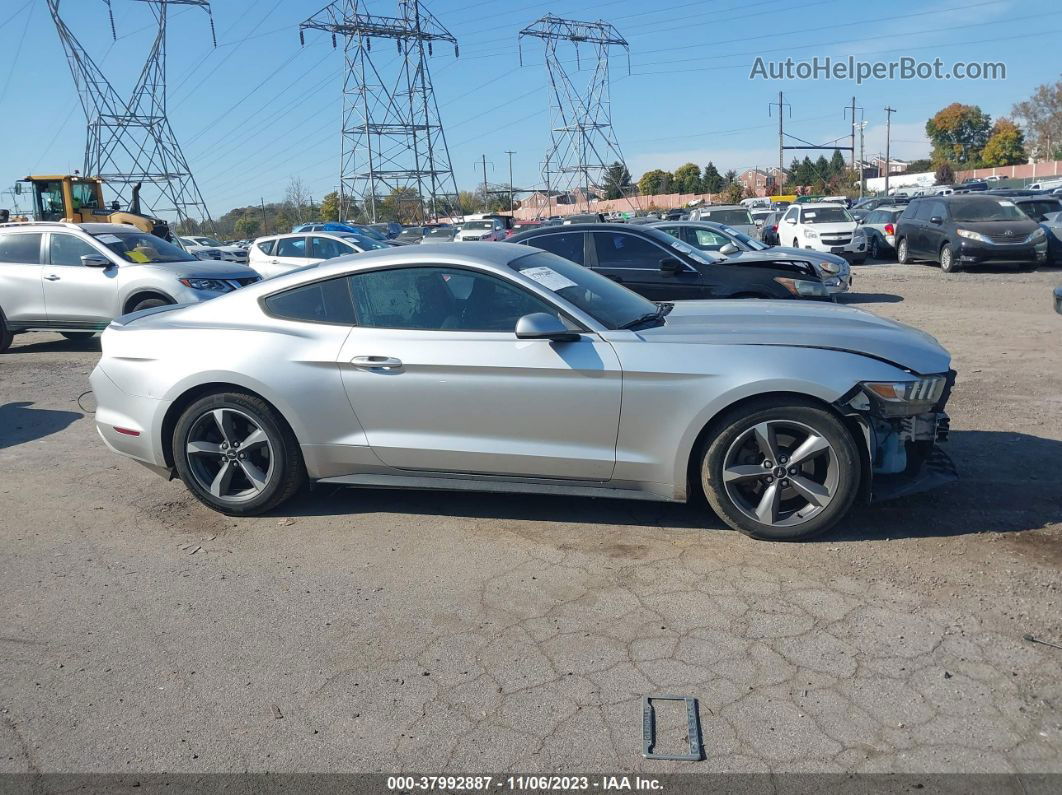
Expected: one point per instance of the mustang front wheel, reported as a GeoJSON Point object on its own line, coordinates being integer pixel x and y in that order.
{"type": "Point", "coordinates": [781, 471]}
{"type": "Point", "coordinates": [236, 454]}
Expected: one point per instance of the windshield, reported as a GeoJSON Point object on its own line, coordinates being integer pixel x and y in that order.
{"type": "Point", "coordinates": [442, 231]}
{"type": "Point", "coordinates": [727, 216]}
{"type": "Point", "coordinates": [987, 210]}
{"type": "Point", "coordinates": [208, 241]}
{"type": "Point", "coordinates": [826, 215]}
{"type": "Point", "coordinates": [366, 243]}
{"type": "Point", "coordinates": [744, 239]}
{"type": "Point", "coordinates": [417, 232]}
{"type": "Point", "coordinates": [612, 305]}
{"type": "Point", "coordinates": [374, 232]}
{"type": "Point", "coordinates": [477, 225]}
{"type": "Point", "coordinates": [142, 248]}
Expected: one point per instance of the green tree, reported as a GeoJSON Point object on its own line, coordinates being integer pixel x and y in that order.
{"type": "Point", "coordinates": [729, 178]}
{"type": "Point", "coordinates": [1006, 145]}
{"type": "Point", "coordinates": [958, 134]}
{"type": "Point", "coordinates": [1041, 115]}
{"type": "Point", "coordinates": [837, 164]}
{"type": "Point", "coordinates": [617, 181]}
{"type": "Point", "coordinates": [918, 166]}
{"type": "Point", "coordinates": [820, 173]}
{"type": "Point", "coordinates": [733, 193]}
{"type": "Point", "coordinates": [687, 178]}
{"type": "Point", "coordinates": [330, 207]}
{"type": "Point", "coordinates": [247, 225]}
{"type": "Point", "coordinates": [654, 182]}
{"type": "Point", "coordinates": [712, 181]}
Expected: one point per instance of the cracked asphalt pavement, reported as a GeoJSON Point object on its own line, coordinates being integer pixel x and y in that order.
{"type": "Point", "coordinates": [396, 631]}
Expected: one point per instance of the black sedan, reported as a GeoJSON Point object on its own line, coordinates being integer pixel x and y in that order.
{"type": "Point", "coordinates": [733, 244]}
{"type": "Point", "coordinates": [662, 268]}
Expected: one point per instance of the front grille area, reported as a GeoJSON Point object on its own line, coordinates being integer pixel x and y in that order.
{"type": "Point", "coordinates": [1000, 237]}
{"type": "Point", "coordinates": [837, 240]}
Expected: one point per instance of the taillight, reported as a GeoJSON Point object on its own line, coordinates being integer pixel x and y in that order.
{"type": "Point", "coordinates": [890, 229]}
{"type": "Point", "coordinates": [774, 227]}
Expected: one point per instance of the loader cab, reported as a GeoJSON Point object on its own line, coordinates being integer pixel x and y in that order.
{"type": "Point", "coordinates": [64, 198]}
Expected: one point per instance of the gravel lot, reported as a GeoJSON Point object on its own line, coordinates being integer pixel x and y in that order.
{"type": "Point", "coordinates": [375, 630]}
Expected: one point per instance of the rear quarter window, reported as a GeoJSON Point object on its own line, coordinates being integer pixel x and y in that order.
{"type": "Point", "coordinates": [266, 246]}
{"type": "Point", "coordinates": [326, 301]}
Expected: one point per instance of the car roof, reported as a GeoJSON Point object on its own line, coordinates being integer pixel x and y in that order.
{"type": "Point", "coordinates": [818, 205]}
{"type": "Point", "coordinates": [711, 207]}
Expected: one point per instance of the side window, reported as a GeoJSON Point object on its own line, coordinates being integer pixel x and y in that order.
{"type": "Point", "coordinates": [707, 240]}
{"type": "Point", "coordinates": [622, 250]}
{"type": "Point", "coordinates": [564, 244]}
{"type": "Point", "coordinates": [910, 212]}
{"type": "Point", "coordinates": [24, 249]}
{"type": "Point", "coordinates": [790, 213]}
{"type": "Point", "coordinates": [68, 250]}
{"type": "Point", "coordinates": [266, 246]}
{"type": "Point", "coordinates": [291, 247]}
{"type": "Point", "coordinates": [936, 208]}
{"type": "Point", "coordinates": [320, 302]}
{"type": "Point", "coordinates": [440, 299]}
{"type": "Point", "coordinates": [326, 248]}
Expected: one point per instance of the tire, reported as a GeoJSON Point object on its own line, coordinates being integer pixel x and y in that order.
{"type": "Point", "coordinates": [902, 254]}
{"type": "Point", "coordinates": [5, 336]}
{"type": "Point", "coordinates": [217, 425]}
{"type": "Point", "coordinates": [875, 250]}
{"type": "Point", "coordinates": [149, 303]}
{"type": "Point", "coordinates": [831, 474]}
{"type": "Point", "coordinates": [78, 336]}
{"type": "Point", "coordinates": [796, 243]}
{"type": "Point", "coordinates": [947, 260]}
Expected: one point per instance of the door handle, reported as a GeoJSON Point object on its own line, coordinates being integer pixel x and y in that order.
{"type": "Point", "coordinates": [376, 362]}
{"type": "Point", "coordinates": [52, 277]}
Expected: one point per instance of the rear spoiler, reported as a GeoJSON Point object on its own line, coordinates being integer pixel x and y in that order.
{"type": "Point", "coordinates": [125, 320]}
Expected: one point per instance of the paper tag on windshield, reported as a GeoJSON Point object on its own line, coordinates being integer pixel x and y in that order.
{"type": "Point", "coordinates": [108, 238]}
{"type": "Point", "coordinates": [548, 278]}
{"type": "Point", "coordinates": [1003, 203]}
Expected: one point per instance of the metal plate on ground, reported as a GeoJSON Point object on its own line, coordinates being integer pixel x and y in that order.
{"type": "Point", "coordinates": [693, 729]}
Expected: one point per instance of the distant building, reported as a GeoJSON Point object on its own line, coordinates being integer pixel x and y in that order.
{"type": "Point", "coordinates": [760, 180]}
{"type": "Point", "coordinates": [896, 166]}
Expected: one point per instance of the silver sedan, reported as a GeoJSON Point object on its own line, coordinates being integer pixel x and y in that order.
{"type": "Point", "coordinates": [504, 368]}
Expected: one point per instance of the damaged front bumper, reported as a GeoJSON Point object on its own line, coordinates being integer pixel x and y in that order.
{"type": "Point", "coordinates": [902, 455]}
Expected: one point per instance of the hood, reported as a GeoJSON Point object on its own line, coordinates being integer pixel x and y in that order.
{"type": "Point", "coordinates": [803, 324]}
{"type": "Point", "coordinates": [207, 269]}
{"type": "Point", "coordinates": [837, 264]}
{"type": "Point", "coordinates": [834, 228]}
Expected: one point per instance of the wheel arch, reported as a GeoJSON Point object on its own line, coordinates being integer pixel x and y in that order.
{"type": "Point", "coordinates": [141, 294]}
{"type": "Point", "coordinates": [692, 478]}
{"type": "Point", "coordinates": [194, 393]}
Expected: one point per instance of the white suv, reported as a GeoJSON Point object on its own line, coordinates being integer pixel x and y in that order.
{"type": "Point", "coordinates": [823, 226]}
{"type": "Point", "coordinates": [485, 229]}
{"type": "Point", "coordinates": [76, 278]}
{"type": "Point", "coordinates": [272, 256]}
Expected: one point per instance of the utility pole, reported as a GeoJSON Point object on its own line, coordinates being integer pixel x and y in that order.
{"type": "Point", "coordinates": [264, 231]}
{"type": "Point", "coordinates": [853, 133]}
{"type": "Point", "coordinates": [780, 104]}
{"type": "Point", "coordinates": [486, 197]}
{"type": "Point", "coordinates": [549, 193]}
{"type": "Point", "coordinates": [862, 171]}
{"type": "Point", "coordinates": [512, 206]}
{"type": "Point", "coordinates": [888, 135]}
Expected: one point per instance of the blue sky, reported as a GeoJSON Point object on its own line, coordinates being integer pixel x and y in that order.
{"type": "Point", "coordinates": [260, 109]}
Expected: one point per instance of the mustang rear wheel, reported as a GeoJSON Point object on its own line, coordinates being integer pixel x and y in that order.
{"type": "Point", "coordinates": [236, 454]}
{"type": "Point", "coordinates": [781, 470]}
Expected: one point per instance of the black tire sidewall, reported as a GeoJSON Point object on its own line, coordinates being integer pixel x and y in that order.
{"type": "Point", "coordinates": [77, 336]}
{"type": "Point", "coordinates": [6, 337]}
{"type": "Point", "coordinates": [149, 303]}
{"type": "Point", "coordinates": [825, 423]}
{"type": "Point", "coordinates": [287, 467]}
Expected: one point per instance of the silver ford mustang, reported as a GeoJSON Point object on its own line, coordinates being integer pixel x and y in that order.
{"type": "Point", "coordinates": [504, 368]}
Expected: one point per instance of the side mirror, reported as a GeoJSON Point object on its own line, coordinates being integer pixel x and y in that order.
{"type": "Point", "coordinates": [671, 265]}
{"type": "Point", "coordinates": [95, 261]}
{"type": "Point", "coordinates": [729, 249]}
{"type": "Point", "coordinates": [544, 326]}
{"type": "Point", "coordinates": [936, 219]}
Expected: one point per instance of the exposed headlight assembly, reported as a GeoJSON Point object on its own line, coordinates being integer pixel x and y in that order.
{"type": "Point", "coordinates": [215, 285]}
{"type": "Point", "coordinates": [905, 398]}
{"type": "Point", "coordinates": [802, 288]}
{"type": "Point", "coordinates": [1039, 233]}
{"type": "Point", "coordinates": [830, 267]}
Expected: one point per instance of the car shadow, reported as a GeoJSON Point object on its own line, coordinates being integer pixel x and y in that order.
{"type": "Point", "coordinates": [868, 298]}
{"type": "Point", "coordinates": [998, 491]}
{"type": "Point", "coordinates": [61, 345]}
{"type": "Point", "coordinates": [20, 424]}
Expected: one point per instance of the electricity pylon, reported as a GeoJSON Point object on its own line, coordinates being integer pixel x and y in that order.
{"type": "Point", "coordinates": [582, 141]}
{"type": "Point", "coordinates": [131, 141]}
{"type": "Point", "coordinates": [392, 144]}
